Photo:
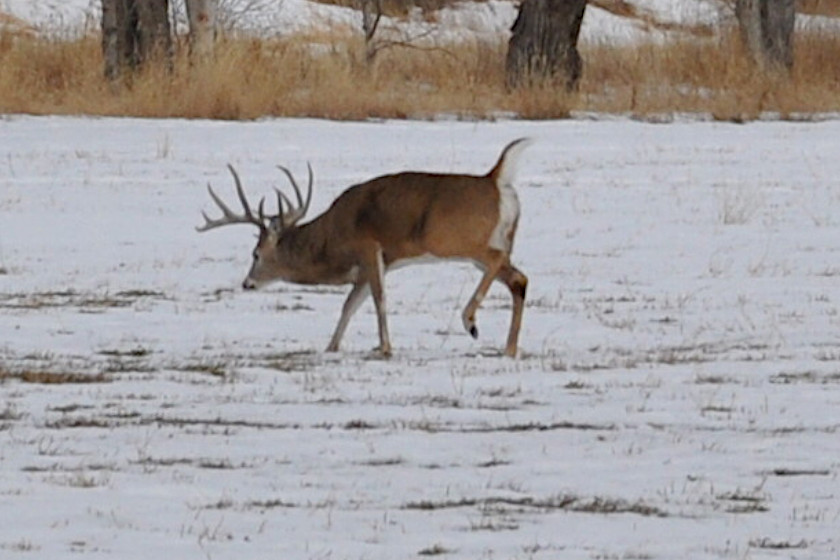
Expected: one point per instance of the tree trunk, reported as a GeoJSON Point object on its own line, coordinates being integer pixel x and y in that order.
{"type": "Point", "coordinates": [134, 32]}
{"type": "Point", "coordinates": [767, 31]}
{"type": "Point", "coordinates": [110, 40]}
{"type": "Point", "coordinates": [371, 14]}
{"type": "Point", "coordinates": [154, 40]}
{"type": "Point", "coordinates": [202, 18]}
{"type": "Point", "coordinates": [117, 37]}
{"type": "Point", "coordinates": [543, 47]}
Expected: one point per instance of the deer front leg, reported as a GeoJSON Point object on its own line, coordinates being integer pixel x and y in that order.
{"type": "Point", "coordinates": [370, 281]}
{"type": "Point", "coordinates": [375, 268]}
{"type": "Point", "coordinates": [360, 290]}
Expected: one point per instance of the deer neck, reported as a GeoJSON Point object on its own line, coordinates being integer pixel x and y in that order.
{"type": "Point", "coordinates": [308, 257]}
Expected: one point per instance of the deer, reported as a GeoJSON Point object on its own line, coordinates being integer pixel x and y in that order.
{"type": "Point", "coordinates": [386, 223]}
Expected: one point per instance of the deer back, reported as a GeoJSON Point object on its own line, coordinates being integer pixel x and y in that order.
{"type": "Point", "coordinates": [417, 214]}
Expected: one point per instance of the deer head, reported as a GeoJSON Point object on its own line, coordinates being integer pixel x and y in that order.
{"type": "Point", "coordinates": [267, 264]}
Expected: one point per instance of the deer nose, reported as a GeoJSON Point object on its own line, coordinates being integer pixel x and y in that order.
{"type": "Point", "coordinates": [249, 284]}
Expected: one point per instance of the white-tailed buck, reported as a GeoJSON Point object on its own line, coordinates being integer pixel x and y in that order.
{"type": "Point", "coordinates": [385, 223]}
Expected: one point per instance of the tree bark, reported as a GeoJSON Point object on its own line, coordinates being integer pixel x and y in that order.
{"type": "Point", "coordinates": [767, 31]}
{"type": "Point", "coordinates": [117, 41]}
{"type": "Point", "coordinates": [154, 40]}
{"type": "Point", "coordinates": [543, 46]}
{"type": "Point", "coordinates": [110, 46]}
{"type": "Point", "coordinates": [134, 32]}
{"type": "Point", "coordinates": [202, 18]}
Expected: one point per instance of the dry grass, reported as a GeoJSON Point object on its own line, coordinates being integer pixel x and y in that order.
{"type": "Point", "coordinates": [710, 76]}
{"type": "Point", "coordinates": [15, 25]}
{"type": "Point", "coordinates": [325, 76]}
{"type": "Point", "coordinates": [819, 7]}
{"type": "Point", "coordinates": [43, 377]}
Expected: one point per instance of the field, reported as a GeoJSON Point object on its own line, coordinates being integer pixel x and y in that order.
{"type": "Point", "coordinates": [676, 397]}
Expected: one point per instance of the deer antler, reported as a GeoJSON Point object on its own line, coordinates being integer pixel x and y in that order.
{"type": "Point", "coordinates": [283, 219]}
{"type": "Point", "coordinates": [294, 214]}
{"type": "Point", "coordinates": [228, 216]}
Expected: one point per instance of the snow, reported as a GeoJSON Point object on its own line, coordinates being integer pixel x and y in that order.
{"type": "Point", "coordinates": [684, 12]}
{"type": "Point", "coordinates": [676, 396]}
{"type": "Point", "coordinates": [486, 20]}
{"type": "Point", "coordinates": [52, 14]}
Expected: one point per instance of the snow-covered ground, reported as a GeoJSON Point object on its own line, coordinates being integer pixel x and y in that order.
{"type": "Point", "coordinates": [677, 395]}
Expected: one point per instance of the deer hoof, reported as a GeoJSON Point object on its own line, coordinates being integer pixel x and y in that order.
{"type": "Point", "coordinates": [469, 325]}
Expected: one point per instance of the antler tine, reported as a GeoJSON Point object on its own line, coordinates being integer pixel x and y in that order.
{"type": "Point", "coordinates": [228, 215]}
{"type": "Point", "coordinates": [260, 210]}
{"type": "Point", "coordinates": [294, 185]}
{"type": "Point", "coordinates": [296, 213]}
{"type": "Point", "coordinates": [208, 223]}
{"type": "Point", "coordinates": [241, 193]}
{"type": "Point", "coordinates": [281, 198]}
{"type": "Point", "coordinates": [308, 188]}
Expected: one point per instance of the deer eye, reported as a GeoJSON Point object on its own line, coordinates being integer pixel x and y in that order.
{"type": "Point", "coordinates": [256, 256]}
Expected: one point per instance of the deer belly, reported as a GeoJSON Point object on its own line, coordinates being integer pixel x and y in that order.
{"type": "Point", "coordinates": [426, 258]}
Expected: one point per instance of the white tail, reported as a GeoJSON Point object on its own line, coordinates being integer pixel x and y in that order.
{"type": "Point", "coordinates": [387, 222]}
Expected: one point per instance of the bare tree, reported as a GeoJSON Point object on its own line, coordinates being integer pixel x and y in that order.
{"type": "Point", "coordinates": [134, 32]}
{"type": "Point", "coordinates": [371, 14]}
{"type": "Point", "coordinates": [393, 36]}
{"type": "Point", "coordinates": [767, 31]}
{"type": "Point", "coordinates": [543, 46]}
{"type": "Point", "coordinates": [202, 19]}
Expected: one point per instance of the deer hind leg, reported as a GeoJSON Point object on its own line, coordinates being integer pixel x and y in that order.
{"type": "Point", "coordinates": [517, 283]}
{"type": "Point", "coordinates": [491, 265]}
{"type": "Point", "coordinates": [357, 295]}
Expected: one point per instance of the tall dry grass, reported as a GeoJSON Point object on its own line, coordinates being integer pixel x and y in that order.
{"type": "Point", "coordinates": [325, 76]}
{"type": "Point", "coordinates": [712, 76]}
